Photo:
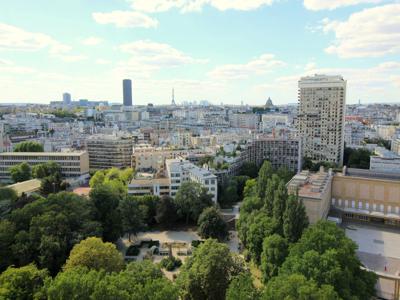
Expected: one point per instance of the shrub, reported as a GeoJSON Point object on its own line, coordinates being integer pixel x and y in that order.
{"type": "Point", "coordinates": [196, 243]}
{"type": "Point", "coordinates": [132, 251]}
{"type": "Point", "coordinates": [170, 263]}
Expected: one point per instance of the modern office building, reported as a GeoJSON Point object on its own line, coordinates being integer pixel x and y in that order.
{"type": "Point", "coordinates": [127, 92]}
{"type": "Point", "coordinates": [108, 151]}
{"type": "Point", "coordinates": [281, 152]}
{"type": "Point", "coordinates": [74, 165]}
{"type": "Point", "coordinates": [320, 119]}
{"type": "Point", "coordinates": [66, 99]}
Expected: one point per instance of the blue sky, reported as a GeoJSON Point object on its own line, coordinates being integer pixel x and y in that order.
{"type": "Point", "coordinates": [220, 50]}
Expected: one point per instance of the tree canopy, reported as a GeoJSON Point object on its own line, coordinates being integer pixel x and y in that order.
{"type": "Point", "coordinates": [20, 172]}
{"type": "Point", "coordinates": [28, 146]}
{"type": "Point", "coordinates": [212, 225]}
{"type": "Point", "coordinates": [207, 274]}
{"type": "Point", "coordinates": [94, 254]}
{"type": "Point", "coordinates": [190, 201]}
{"type": "Point", "coordinates": [22, 283]}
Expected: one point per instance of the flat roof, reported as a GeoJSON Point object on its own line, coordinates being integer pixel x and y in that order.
{"type": "Point", "coordinates": [27, 186]}
{"type": "Point", "coordinates": [370, 174]}
{"type": "Point", "coordinates": [75, 153]}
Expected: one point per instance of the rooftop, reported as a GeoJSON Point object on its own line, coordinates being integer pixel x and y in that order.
{"type": "Point", "coordinates": [27, 186]}
{"type": "Point", "coordinates": [72, 153]}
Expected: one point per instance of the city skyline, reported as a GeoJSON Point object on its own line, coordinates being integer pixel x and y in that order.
{"type": "Point", "coordinates": [221, 51]}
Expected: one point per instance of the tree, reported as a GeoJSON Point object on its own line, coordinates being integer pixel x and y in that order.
{"type": "Point", "coordinates": [275, 250]}
{"type": "Point", "coordinates": [269, 199]}
{"type": "Point", "coordinates": [28, 146]}
{"type": "Point", "coordinates": [212, 225]}
{"type": "Point", "coordinates": [106, 201]}
{"type": "Point", "coordinates": [295, 219]}
{"type": "Point", "coordinates": [325, 245]}
{"type": "Point", "coordinates": [191, 199]}
{"type": "Point", "coordinates": [296, 286]}
{"type": "Point", "coordinates": [7, 233]}
{"type": "Point", "coordinates": [22, 283]}
{"type": "Point", "coordinates": [48, 228]}
{"type": "Point", "coordinates": [242, 288]}
{"type": "Point", "coordinates": [46, 169]}
{"type": "Point", "coordinates": [264, 175]}
{"type": "Point", "coordinates": [20, 172]}
{"type": "Point", "coordinates": [8, 198]}
{"type": "Point", "coordinates": [285, 174]}
{"type": "Point", "coordinates": [53, 184]}
{"type": "Point", "coordinates": [132, 216]}
{"type": "Point", "coordinates": [139, 281]}
{"type": "Point", "coordinates": [241, 183]}
{"type": "Point", "coordinates": [307, 163]}
{"type": "Point", "coordinates": [207, 274]}
{"type": "Point", "coordinates": [228, 193]}
{"type": "Point", "coordinates": [94, 254]}
{"type": "Point", "coordinates": [359, 158]}
{"type": "Point", "coordinates": [166, 211]}
{"type": "Point", "coordinates": [250, 188]}
{"type": "Point", "coordinates": [260, 227]}
{"type": "Point", "coordinates": [280, 199]}
{"type": "Point", "coordinates": [248, 169]}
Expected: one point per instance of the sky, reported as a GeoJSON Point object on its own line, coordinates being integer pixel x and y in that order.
{"type": "Point", "coordinates": [223, 51]}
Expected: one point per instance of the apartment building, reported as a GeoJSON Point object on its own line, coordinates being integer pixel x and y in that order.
{"type": "Point", "coordinates": [148, 158]}
{"type": "Point", "coordinates": [249, 121]}
{"type": "Point", "coordinates": [74, 165]}
{"type": "Point", "coordinates": [281, 152]}
{"type": "Point", "coordinates": [108, 151]}
{"type": "Point", "coordinates": [177, 171]}
{"type": "Point", "coordinates": [180, 171]}
{"type": "Point", "coordinates": [320, 118]}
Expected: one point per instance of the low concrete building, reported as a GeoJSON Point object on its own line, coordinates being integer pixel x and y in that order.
{"type": "Point", "coordinates": [367, 196]}
{"type": "Point", "coordinates": [314, 189]}
{"type": "Point", "coordinates": [74, 165]}
{"type": "Point", "coordinates": [385, 161]}
{"type": "Point", "coordinates": [149, 186]}
{"type": "Point", "coordinates": [27, 187]}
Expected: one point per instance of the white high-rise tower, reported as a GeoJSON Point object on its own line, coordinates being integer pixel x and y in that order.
{"type": "Point", "coordinates": [320, 119]}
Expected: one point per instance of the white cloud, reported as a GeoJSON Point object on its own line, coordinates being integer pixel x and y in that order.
{"type": "Point", "coordinates": [145, 52]}
{"type": "Point", "coordinates": [261, 65]}
{"type": "Point", "coordinates": [8, 67]}
{"type": "Point", "coordinates": [153, 6]}
{"type": "Point", "coordinates": [371, 32]}
{"type": "Point", "coordinates": [92, 41]}
{"type": "Point", "coordinates": [127, 19]}
{"type": "Point", "coordinates": [101, 61]}
{"type": "Point", "coordinates": [17, 39]}
{"type": "Point", "coordinates": [71, 58]}
{"type": "Point", "coordinates": [362, 83]}
{"type": "Point", "coordinates": [310, 66]}
{"type": "Point", "coordinates": [333, 4]}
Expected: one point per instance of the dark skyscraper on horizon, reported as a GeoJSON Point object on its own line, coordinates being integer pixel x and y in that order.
{"type": "Point", "coordinates": [67, 99]}
{"type": "Point", "coordinates": [127, 91]}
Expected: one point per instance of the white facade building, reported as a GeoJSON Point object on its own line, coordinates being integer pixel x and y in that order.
{"type": "Point", "coordinates": [385, 161]}
{"type": "Point", "coordinates": [320, 119]}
